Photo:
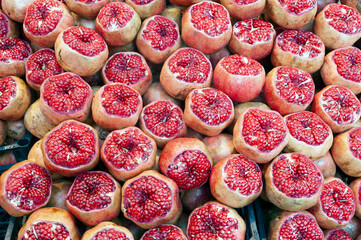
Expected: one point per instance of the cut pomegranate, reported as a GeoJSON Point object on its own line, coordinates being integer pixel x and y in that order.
{"type": "Point", "coordinates": [151, 199]}
{"type": "Point", "coordinates": [208, 111]}
{"type": "Point", "coordinates": [220, 146]}
{"type": "Point", "coordinates": [174, 13]}
{"type": "Point", "coordinates": [81, 50]}
{"type": "Point", "coordinates": [187, 161]}
{"type": "Point", "coordinates": [147, 8]}
{"type": "Point", "coordinates": [15, 98]}
{"type": "Point", "coordinates": [86, 8]}
{"type": "Point", "coordinates": [215, 221]}
{"type": "Point", "coordinates": [41, 65]}
{"type": "Point", "coordinates": [337, 234]}
{"type": "Point", "coordinates": [343, 67]}
{"type": "Point", "coordinates": [338, 25]}
{"type": "Point", "coordinates": [158, 38]}
{"type": "Point", "coordinates": [289, 90]}
{"type": "Point", "coordinates": [129, 68]}
{"type": "Point", "coordinates": [13, 55]}
{"type": "Point", "coordinates": [206, 26]}
{"type": "Point", "coordinates": [94, 197]}
{"type": "Point", "coordinates": [356, 188]}
{"type": "Point", "coordinates": [109, 231]}
{"type": "Point", "coordinates": [240, 77]}
{"type": "Point", "coordinates": [71, 148]}
{"type": "Point", "coordinates": [49, 223]}
{"type": "Point", "coordinates": [295, 225]}
{"type": "Point", "coordinates": [244, 9]}
{"type": "Point", "coordinates": [65, 96]}
{"type": "Point", "coordinates": [236, 181]}
{"type": "Point", "coordinates": [186, 69]}
{"type": "Point", "coordinates": [118, 23]}
{"type": "Point", "coordinates": [252, 38]}
{"type": "Point", "coordinates": [44, 21]}
{"type": "Point", "coordinates": [217, 56]}
{"type": "Point", "coordinates": [164, 232]}
{"type": "Point", "coordinates": [156, 92]}
{"type": "Point", "coordinates": [338, 107]}
{"type": "Point", "coordinates": [162, 121]}
{"type": "Point", "coordinates": [309, 135]}
{"type": "Point", "coordinates": [24, 188]}
{"type": "Point", "coordinates": [8, 28]}
{"type": "Point", "coordinates": [300, 49]}
{"type": "Point", "coordinates": [260, 134]}
{"type": "Point", "coordinates": [16, 10]}
{"type": "Point", "coordinates": [335, 206]}
{"type": "Point", "coordinates": [59, 190]}
{"type": "Point", "coordinates": [128, 152]}
{"type": "Point", "coordinates": [326, 165]}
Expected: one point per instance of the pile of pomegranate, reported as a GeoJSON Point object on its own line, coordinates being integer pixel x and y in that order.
{"type": "Point", "coordinates": [157, 120]}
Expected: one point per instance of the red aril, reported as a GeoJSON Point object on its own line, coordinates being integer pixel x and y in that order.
{"type": "Point", "coordinates": [86, 8]}
{"type": "Point", "coordinates": [108, 230]}
{"type": "Point", "coordinates": [156, 92]}
{"type": "Point", "coordinates": [244, 9]}
{"type": "Point", "coordinates": [326, 165]}
{"type": "Point", "coordinates": [196, 197]}
{"type": "Point", "coordinates": [9, 28]}
{"type": "Point", "coordinates": [59, 190]}
{"type": "Point", "coordinates": [337, 234]}
{"type": "Point", "coordinates": [220, 146]}
{"type": "Point", "coordinates": [164, 232]}
{"type": "Point", "coordinates": [355, 185]}
{"type": "Point", "coordinates": [147, 8]}
{"type": "Point", "coordinates": [174, 13]}
{"type": "Point", "coordinates": [16, 10]}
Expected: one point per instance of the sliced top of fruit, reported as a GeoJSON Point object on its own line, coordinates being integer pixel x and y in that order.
{"type": "Point", "coordinates": [348, 63]}
{"type": "Point", "coordinates": [338, 234]}
{"type": "Point", "coordinates": [164, 232]}
{"type": "Point", "coordinates": [240, 65]}
{"type": "Point", "coordinates": [343, 18]}
{"type": "Point", "coordinates": [297, 7]}
{"type": "Point", "coordinates": [88, 1]}
{"type": "Point", "coordinates": [13, 49]}
{"type": "Point", "coordinates": [354, 139]}
{"type": "Point", "coordinates": [44, 229]}
{"type": "Point", "coordinates": [142, 2]}
{"type": "Point", "coordinates": [7, 91]}
{"type": "Point", "coordinates": [253, 31]}
{"type": "Point", "coordinates": [110, 234]}
{"type": "Point", "coordinates": [245, 2]}
{"type": "Point", "coordinates": [4, 23]}
{"type": "Point", "coordinates": [114, 16]}
{"type": "Point", "coordinates": [301, 225]}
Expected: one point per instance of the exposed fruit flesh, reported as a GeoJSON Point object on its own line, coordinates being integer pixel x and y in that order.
{"type": "Point", "coordinates": [298, 7]}
{"type": "Point", "coordinates": [244, 2]}
{"type": "Point", "coordinates": [91, 191]}
{"type": "Point", "coordinates": [354, 141]}
{"type": "Point", "coordinates": [338, 234]}
{"type": "Point", "coordinates": [46, 230]}
{"type": "Point", "coordinates": [263, 129]}
{"type": "Point", "coordinates": [341, 104]}
{"type": "Point", "coordinates": [7, 91]}
{"type": "Point", "coordinates": [253, 31]}
{"type": "Point", "coordinates": [147, 194]}
{"type": "Point", "coordinates": [43, 17]}
{"type": "Point", "coordinates": [4, 25]}
{"type": "Point", "coordinates": [85, 41]}
{"type": "Point", "coordinates": [348, 63]}
{"type": "Point", "coordinates": [241, 65]}
{"type": "Point", "coordinates": [337, 201]}
{"type": "Point", "coordinates": [210, 18]}
{"type": "Point", "coordinates": [242, 175]}
{"type": "Point", "coordinates": [308, 127]}
{"type": "Point", "coordinates": [88, 1]}
{"type": "Point", "coordinates": [66, 93]}
{"type": "Point", "coordinates": [300, 226]}
{"type": "Point", "coordinates": [28, 187]}
{"type": "Point", "coordinates": [211, 106]}
{"type": "Point", "coordinates": [343, 18]}
{"type": "Point", "coordinates": [120, 100]}
{"type": "Point", "coordinates": [189, 65]}
{"type": "Point", "coordinates": [115, 16]}
{"type": "Point", "coordinates": [142, 2]}
{"type": "Point", "coordinates": [301, 43]}
{"type": "Point", "coordinates": [161, 33]}
{"type": "Point", "coordinates": [164, 232]}
{"type": "Point", "coordinates": [13, 49]}
{"type": "Point", "coordinates": [72, 145]}
{"type": "Point", "coordinates": [109, 234]}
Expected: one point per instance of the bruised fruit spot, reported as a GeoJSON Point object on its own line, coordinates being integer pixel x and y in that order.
{"type": "Point", "coordinates": [109, 234]}
{"type": "Point", "coordinates": [253, 31]}
{"type": "Point", "coordinates": [13, 49]}
{"type": "Point", "coordinates": [28, 187]}
{"type": "Point", "coordinates": [338, 234]}
{"type": "Point", "coordinates": [91, 191]}
{"type": "Point", "coordinates": [115, 16]}
{"type": "Point", "coordinates": [4, 23]}
{"type": "Point", "coordinates": [7, 91]}
{"type": "Point", "coordinates": [300, 226]}
{"type": "Point", "coordinates": [241, 65]}
{"type": "Point", "coordinates": [298, 7]}
{"type": "Point", "coordinates": [46, 230]}
{"type": "Point", "coordinates": [343, 18]}
{"type": "Point", "coordinates": [348, 63]}
{"type": "Point", "coordinates": [354, 140]}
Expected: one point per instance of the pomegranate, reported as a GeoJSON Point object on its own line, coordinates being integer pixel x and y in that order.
{"type": "Point", "coordinates": [335, 206]}
{"type": "Point", "coordinates": [116, 106]}
{"type": "Point", "coordinates": [215, 221]}
{"type": "Point", "coordinates": [129, 68]}
{"type": "Point", "coordinates": [15, 10]}
{"type": "Point", "coordinates": [343, 67]}
{"type": "Point", "coordinates": [15, 129]}
{"type": "Point", "coordinates": [338, 26]}
{"type": "Point", "coordinates": [354, 227]}
{"type": "Point", "coordinates": [81, 50]}
{"type": "Point", "coordinates": [252, 38]}
{"type": "Point", "coordinates": [70, 148]}
{"type": "Point", "coordinates": [298, 48]}
{"type": "Point", "coordinates": [158, 38]}
{"type": "Point", "coordinates": [208, 111]}
{"type": "Point", "coordinates": [220, 146]}
{"type": "Point", "coordinates": [108, 230]}
{"type": "Point", "coordinates": [337, 234]}
{"type": "Point", "coordinates": [44, 20]}
{"type": "Point", "coordinates": [174, 13]}
{"type": "Point", "coordinates": [86, 8]}
{"type": "Point", "coordinates": [240, 77]}
{"type": "Point", "coordinates": [7, 158]}
{"type": "Point", "coordinates": [260, 134]}
{"type": "Point", "coordinates": [289, 90]}
{"type": "Point", "coordinates": [217, 56]}
{"type": "Point", "coordinates": [206, 26]}
{"type": "Point", "coordinates": [151, 199]}
{"type": "Point", "coordinates": [130, 47]}
{"type": "Point", "coordinates": [13, 55]}
{"type": "Point", "coordinates": [186, 69]}
{"type": "Point", "coordinates": [128, 152]}
{"type": "Point", "coordinates": [2, 132]}
{"type": "Point", "coordinates": [187, 161]}
{"type": "Point", "coordinates": [118, 23]}
{"type": "Point", "coordinates": [156, 92]}
{"type": "Point", "coordinates": [244, 9]}
{"type": "Point", "coordinates": [50, 223]}
{"type": "Point", "coordinates": [41, 65]}
{"type": "Point", "coordinates": [184, 3]}
{"type": "Point", "coordinates": [65, 96]}
{"type": "Point", "coordinates": [162, 121]}
{"type": "Point", "coordinates": [326, 165]}
{"type": "Point", "coordinates": [294, 225]}
{"type": "Point", "coordinates": [164, 232]}
{"type": "Point", "coordinates": [147, 8]}
{"type": "Point", "coordinates": [195, 197]}
{"type": "Point", "coordinates": [136, 231]}
{"type": "Point", "coordinates": [338, 107]}
{"type": "Point", "coordinates": [355, 185]}
{"type": "Point", "coordinates": [14, 98]}
{"type": "Point", "coordinates": [17, 187]}
{"type": "Point", "coordinates": [59, 190]}
{"type": "Point", "coordinates": [9, 28]}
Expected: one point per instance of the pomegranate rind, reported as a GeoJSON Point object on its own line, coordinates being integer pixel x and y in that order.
{"type": "Point", "coordinates": [2, 132]}
{"type": "Point", "coordinates": [327, 165]}
{"type": "Point", "coordinates": [12, 27]}
{"type": "Point", "coordinates": [355, 185]}
{"type": "Point", "coordinates": [96, 216]}
{"type": "Point", "coordinates": [52, 215]}
{"type": "Point", "coordinates": [174, 212]}
{"type": "Point", "coordinates": [178, 234]}
{"type": "Point", "coordinates": [15, 10]}
{"type": "Point", "coordinates": [227, 196]}
{"type": "Point", "coordinates": [353, 227]}
{"type": "Point", "coordinates": [86, 10]}
{"type": "Point", "coordinates": [59, 190]}
{"type": "Point", "coordinates": [19, 103]}
{"type": "Point", "coordinates": [242, 10]}
{"type": "Point", "coordinates": [156, 92]}
{"type": "Point", "coordinates": [220, 146]}
{"type": "Point", "coordinates": [90, 234]}
{"type": "Point", "coordinates": [4, 202]}
{"type": "Point", "coordinates": [329, 234]}
{"type": "Point", "coordinates": [184, 3]}
{"type": "Point", "coordinates": [154, 7]}
{"type": "Point", "coordinates": [120, 173]}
